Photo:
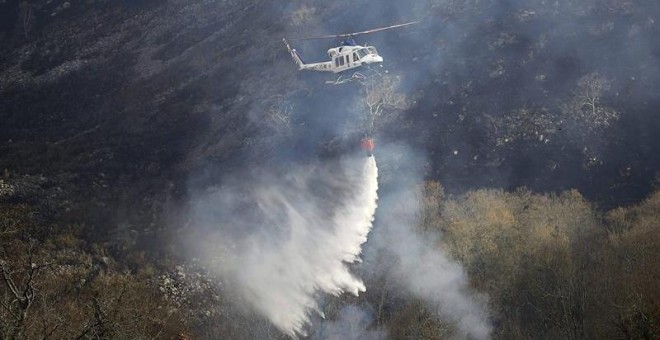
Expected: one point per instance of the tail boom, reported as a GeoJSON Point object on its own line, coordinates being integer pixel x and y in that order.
{"type": "Point", "coordinates": [323, 66]}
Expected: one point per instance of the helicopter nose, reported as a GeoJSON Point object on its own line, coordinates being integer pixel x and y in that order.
{"type": "Point", "coordinates": [373, 59]}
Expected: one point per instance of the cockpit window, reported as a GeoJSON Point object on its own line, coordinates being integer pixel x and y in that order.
{"type": "Point", "coordinates": [363, 52]}
{"type": "Point", "coordinates": [372, 50]}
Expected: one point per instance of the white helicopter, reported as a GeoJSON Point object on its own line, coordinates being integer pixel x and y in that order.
{"type": "Point", "coordinates": [345, 57]}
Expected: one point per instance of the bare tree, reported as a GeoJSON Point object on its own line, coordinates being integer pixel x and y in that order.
{"type": "Point", "coordinates": [278, 115]}
{"type": "Point", "coordinates": [382, 94]}
{"type": "Point", "coordinates": [382, 99]}
{"type": "Point", "coordinates": [27, 18]}
{"type": "Point", "coordinates": [20, 284]}
{"type": "Point", "coordinates": [586, 104]}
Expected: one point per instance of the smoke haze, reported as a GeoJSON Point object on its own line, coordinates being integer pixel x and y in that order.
{"type": "Point", "coordinates": [352, 323]}
{"type": "Point", "coordinates": [134, 111]}
{"type": "Point", "coordinates": [412, 260]}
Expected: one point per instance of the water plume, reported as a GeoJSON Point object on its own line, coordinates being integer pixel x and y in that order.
{"type": "Point", "coordinates": [282, 239]}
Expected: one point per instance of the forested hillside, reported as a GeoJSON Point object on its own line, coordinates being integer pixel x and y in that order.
{"type": "Point", "coordinates": [516, 146]}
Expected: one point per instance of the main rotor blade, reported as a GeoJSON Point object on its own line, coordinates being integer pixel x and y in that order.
{"type": "Point", "coordinates": [356, 33]}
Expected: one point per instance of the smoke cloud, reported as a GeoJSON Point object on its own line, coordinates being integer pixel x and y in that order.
{"type": "Point", "coordinates": [414, 261]}
{"type": "Point", "coordinates": [427, 273]}
{"type": "Point", "coordinates": [352, 323]}
{"type": "Point", "coordinates": [281, 239]}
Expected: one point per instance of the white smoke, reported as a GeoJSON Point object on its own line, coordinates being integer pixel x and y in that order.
{"type": "Point", "coordinates": [428, 273]}
{"type": "Point", "coordinates": [280, 240]}
{"type": "Point", "coordinates": [352, 323]}
{"type": "Point", "coordinates": [414, 261]}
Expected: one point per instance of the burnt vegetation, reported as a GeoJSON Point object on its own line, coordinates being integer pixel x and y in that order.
{"type": "Point", "coordinates": [538, 118]}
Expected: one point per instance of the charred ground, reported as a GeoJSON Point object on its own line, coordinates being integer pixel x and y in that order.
{"type": "Point", "coordinates": [114, 113]}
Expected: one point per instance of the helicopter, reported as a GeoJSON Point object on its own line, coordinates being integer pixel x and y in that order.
{"type": "Point", "coordinates": [349, 55]}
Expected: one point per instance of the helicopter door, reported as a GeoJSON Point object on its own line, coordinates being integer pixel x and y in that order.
{"type": "Point", "coordinates": [340, 62]}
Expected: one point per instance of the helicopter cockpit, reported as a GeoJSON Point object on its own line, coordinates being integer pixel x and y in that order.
{"type": "Point", "coordinates": [363, 52]}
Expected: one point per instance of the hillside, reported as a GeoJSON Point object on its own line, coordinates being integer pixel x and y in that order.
{"type": "Point", "coordinates": [121, 118]}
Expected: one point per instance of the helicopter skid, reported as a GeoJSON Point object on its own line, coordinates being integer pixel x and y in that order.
{"type": "Point", "coordinates": [356, 76]}
{"type": "Point", "coordinates": [345, 79]}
